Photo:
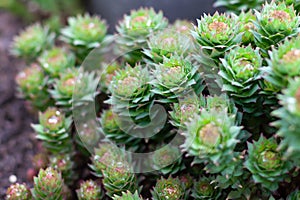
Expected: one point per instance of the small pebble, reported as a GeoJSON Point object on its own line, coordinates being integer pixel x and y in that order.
{"type": "Point", "coordinates": [12, 178]}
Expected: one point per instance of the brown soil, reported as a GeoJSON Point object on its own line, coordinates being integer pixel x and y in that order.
{"type": "Point", "coordinates": [17, 143]}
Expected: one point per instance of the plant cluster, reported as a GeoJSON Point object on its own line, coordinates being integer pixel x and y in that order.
{"type": "Point", "coordinates": [228, 88]}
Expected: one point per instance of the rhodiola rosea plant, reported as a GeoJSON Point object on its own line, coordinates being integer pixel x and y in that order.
{"type": "Point", "coordinates": [156, 102]}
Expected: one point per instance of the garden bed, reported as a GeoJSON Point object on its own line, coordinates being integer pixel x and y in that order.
{"type": "Point", "coordinates": [204, 112]}
{"type": "Point", "coordinates": [17, 143]}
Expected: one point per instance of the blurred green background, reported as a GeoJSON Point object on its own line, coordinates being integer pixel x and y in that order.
{"type": "Point", "coordinates": [51, 12]}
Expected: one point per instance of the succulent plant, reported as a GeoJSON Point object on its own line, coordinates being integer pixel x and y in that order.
{"type": "Point", "coordinates": [167, 43]}
{"type": "Point", "coordinates": [32, 41]}
{"type": "Point", "coordinates": [105, 156]}
{"type": "Point", "coordinates": [84, 33]}
{"type": "Point", "coordinates": [211, 137]}
{"type": "Point", "coordinates": [18, 191]}
{"type": "Point", "coordinates": [288, 119]}
{"type": "Point", "coordinates": [134, 30]}
{"type": "Point", "coordinates": [65, 165]}
{"type": "Point", "coordinates": [131, 96]}
{"type": "Point", "coordinates": [110, 128]}
{"type": "Point", "coordinates": [217, 34]}
{"type": "Point", "coordinates": [238, 6]}
{"type": "Point", "coordinates": [32, 85]}
{"type": "Point", "coordinates": [240, 77]}
{"type": "Point", "coordinates": [175, 78]}
{"type": "Point", "coordinates": [169, 188]}
{"type": "Point", "coordinates": [53, 129]}
{"type": "Point", "coordinates": [266, 163]}
{"type": "Point", "coordinates": [74, 88]}
{"type": "Point", "coordinates": [89, 190]}
{"type": "Point", "coordinates": [206, 188]}
{"type": "Point", "coordinates": [247, 27]}
{"type": "Point", "coordinates": [282, 65]}
{"type": "Point", "coordinates": [30, 75]}
{"type": "Point", "coordinates": [167, 160]}
{"type": "Point", "coordinates": [119, 178]}
{"type": "Point", "coordinates": [183, 111]}
{"type": "Point", "coordinates": [48, 185]}
{"type": "Point", "coordinates": [274, 23]}
{"type": "Point", "coordinates": [56, 60]}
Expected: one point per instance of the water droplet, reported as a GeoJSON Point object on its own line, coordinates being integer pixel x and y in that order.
{"type": "Point", "coordinates": [91, 25]}
{"type": "Point", "coordinates": [12, 178]}
{"type": "Point", "coordinates": [53, 120]}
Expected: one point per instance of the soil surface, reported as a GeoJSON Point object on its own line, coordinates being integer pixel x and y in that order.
{"type": "Point", "coordinates": [17, 143]}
